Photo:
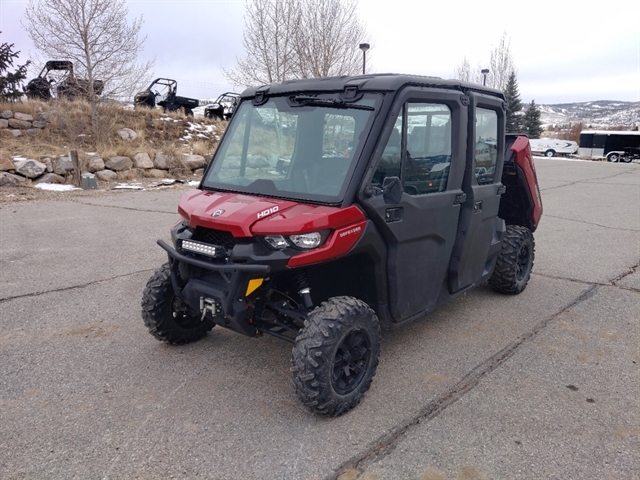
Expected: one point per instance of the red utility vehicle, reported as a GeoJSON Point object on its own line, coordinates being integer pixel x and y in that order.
{"type": "Point", "coordinates": [337, 206]}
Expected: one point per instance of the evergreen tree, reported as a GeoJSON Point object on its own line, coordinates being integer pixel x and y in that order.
{"type": "Point", "coordinates": [531, 121]}
{"type": "Point", "coordinates": [10, 82]}
{"type": "Point", "coordinates": [514, 105]}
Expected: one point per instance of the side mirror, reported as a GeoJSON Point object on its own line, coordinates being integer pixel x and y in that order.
{"type": "Point", "coordinates": [392, 190]}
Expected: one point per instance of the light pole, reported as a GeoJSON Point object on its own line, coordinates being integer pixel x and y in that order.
{"type": "Point", "coordinates": [364, 47]}
{"type": "Point", "coordinates": [484, 72]}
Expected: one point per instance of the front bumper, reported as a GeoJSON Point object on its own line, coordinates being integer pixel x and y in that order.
{"type": "Point", "coordinates": [220, 292]}
{"type": "Point", "coordinates": [229, 267]}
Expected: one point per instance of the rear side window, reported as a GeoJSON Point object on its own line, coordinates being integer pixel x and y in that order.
{"type": "Point", "coordinates": [419, 149]}
{"type": "Point", "coordinates": [486, 149]}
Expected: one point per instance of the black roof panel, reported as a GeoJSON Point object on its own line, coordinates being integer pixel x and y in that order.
{"type": "Point", "coordinates": [385, 82]}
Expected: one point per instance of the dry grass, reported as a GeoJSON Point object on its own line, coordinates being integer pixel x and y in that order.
{"type": "Point", "coordinates": [71, 129]}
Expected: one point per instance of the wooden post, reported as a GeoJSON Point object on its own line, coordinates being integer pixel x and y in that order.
{"type": "Point", "coordinates": [73, 154]}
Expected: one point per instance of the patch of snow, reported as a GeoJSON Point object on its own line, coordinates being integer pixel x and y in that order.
{"type": "Point", "coordinates": [128, 186]}
{"type": "Point", "coordinates": [56, 187]}
{"type": "Point", "coordinates": [566, 159]}
{"type": "Point", "coordinates": [166, 183]}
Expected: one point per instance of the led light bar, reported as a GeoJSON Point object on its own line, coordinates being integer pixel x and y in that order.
{"type": "Point", "coordinates": [202, 248]}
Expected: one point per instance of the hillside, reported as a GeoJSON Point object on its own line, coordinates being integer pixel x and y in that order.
{"type": "Point", "coordinates": [69, 125]}
{"type": "Point", "coordinates": [596, 114]}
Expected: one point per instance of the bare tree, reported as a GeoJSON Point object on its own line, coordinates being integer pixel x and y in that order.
{"type": "Point", "coordinates": [287, 39]}
{"type": "Point", "coordinates": [95, 36]}
{"type": "Point", "coordinates": [327, 45]}
{"type": "Point", "coordinates": [269, 32]}
{"type": "Point", "coordinates": [501, 65]}
{"type": "Point", "coordinates": [463, 71]}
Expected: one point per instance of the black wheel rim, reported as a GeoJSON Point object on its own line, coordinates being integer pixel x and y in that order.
{"type": "Point", "coordinates": [180, 314]}
{"type": "Point", "coordinates": [523, 263]}
{"type": "Point", "coordinates": [351, 361]}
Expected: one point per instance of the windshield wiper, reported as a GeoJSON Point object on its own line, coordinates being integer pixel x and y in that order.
{"type": "Point", "coordinates": [307, 101]}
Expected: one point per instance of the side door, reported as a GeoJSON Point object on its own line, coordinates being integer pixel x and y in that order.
{"type": "Point", "coordinates": [585, 148]}
{"type": "Point", "coordinates": [480, 231]}
{"type": "Point", "coordinates": [423, 146]}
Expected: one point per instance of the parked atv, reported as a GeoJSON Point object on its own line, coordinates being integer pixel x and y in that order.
{"type": "Point", "coordinates": [162, 93]}
{"type": "Point", "coordinates": [223, 107]}
{"type": "Point", "coordinates": [67, 85]}
{"type": "Point", "coordinates": [337, 206]}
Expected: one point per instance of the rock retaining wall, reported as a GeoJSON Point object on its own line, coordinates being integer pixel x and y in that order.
{"type": "Point", "coordinates": [19, 170]}
{"type": "Point", "coordinates": [16, 124]}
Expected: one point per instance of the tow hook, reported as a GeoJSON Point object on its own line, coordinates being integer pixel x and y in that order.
{"type": "Point", "coordinates": [209, 305]}
{"type": "Point", "coordinates": [305, 293]}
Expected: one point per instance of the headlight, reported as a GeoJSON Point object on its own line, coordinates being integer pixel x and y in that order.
{"type": "Point", "coordinates": [306, 240]}
{"type": "Point", "coordinates": [276, 241]}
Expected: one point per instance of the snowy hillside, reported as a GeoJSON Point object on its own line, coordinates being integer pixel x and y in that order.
{"type": "Point", "coordinates": [596, 114]}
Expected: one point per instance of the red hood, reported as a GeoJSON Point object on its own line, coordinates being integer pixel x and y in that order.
{"type": "Point", "coordinates": [245, 216]}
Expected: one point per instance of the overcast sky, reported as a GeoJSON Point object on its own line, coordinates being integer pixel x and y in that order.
{"type": "Point", "coordinates": [564, 51]}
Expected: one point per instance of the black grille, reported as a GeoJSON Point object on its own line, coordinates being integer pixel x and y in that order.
{"type": "Point", "coordinates": [220, 238]}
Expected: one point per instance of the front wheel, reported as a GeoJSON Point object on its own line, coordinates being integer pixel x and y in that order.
{"type": "Point", "coordinates": [336, 355]}
{"type": "Point", "coordinates": [515, 261]}
{"type": "Point", "coordinates": [166, 316]}
{"type": "Point", "coordinates": [613, 157]}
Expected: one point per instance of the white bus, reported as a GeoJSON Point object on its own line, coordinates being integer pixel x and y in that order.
{"type": "Point", "coordinates": [550, 147]}
{"type": "Point", "coordinates": [609, 144]}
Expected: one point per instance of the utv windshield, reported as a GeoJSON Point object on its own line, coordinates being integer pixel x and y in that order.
{"type": "Point", "coordinates": [301, 147]}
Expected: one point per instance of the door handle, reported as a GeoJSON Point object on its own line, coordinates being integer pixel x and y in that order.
{"type": "Point", "coordinates": [477, 207]}
{"type": "Point", "coordinates": [460, 199]}
{"type": "Point", "coordinates": [393, 214]}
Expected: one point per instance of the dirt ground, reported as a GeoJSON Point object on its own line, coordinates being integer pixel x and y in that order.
{"type": "Point", "coordinates": [30, 192]}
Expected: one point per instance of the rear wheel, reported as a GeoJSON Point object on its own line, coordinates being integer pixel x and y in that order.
{"type": "Point", "coordinates": [549, 153]}
{"type": "Point", "coordinates": [613, 157]}
{"type": "Point", "coordinates": [336, 355]}
{"type": "Point", "coordinates": [515, 261]}
{"type": "Point", "coordinates": [166, 316]}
